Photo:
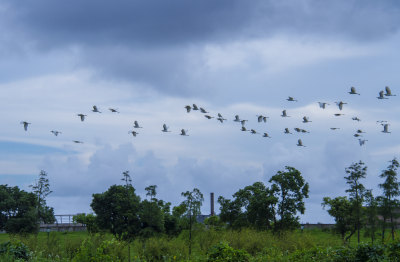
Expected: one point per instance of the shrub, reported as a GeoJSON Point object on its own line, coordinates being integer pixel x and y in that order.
{"type": "Point", "coordinates": [223, 252]}
{"type": "Point", "coordinates": [109, 250]}
{"type": "Point", "coordinates": [15, 249]}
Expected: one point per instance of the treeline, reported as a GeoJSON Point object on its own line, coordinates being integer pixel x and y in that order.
{"type": "Point", "coordinates": [361, 209]}
{"type": "Point", "coordinates": [21, 212]}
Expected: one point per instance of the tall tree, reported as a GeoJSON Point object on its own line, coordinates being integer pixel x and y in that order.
{"type": "Point", "coordinates": [193, 202]}
{"type": "Point", "coordinates": [127, 178]}
{"type": "Point", "coordinates": [117, 210]}
{"type": "Point", "coordinates": [151, 192]}
{"type": "Point", "coordinates": [371, 211]}
{"type": "Point", "coordinates": [391, 190]}
{"type": "Point", "coordinates": [290, 188]}
{"type": "Point", "coordinates": [356, 172]}
{"type": "Point", "coordinates": [340, 208]}
{"type": "Point", "coordinates": [41, 188]}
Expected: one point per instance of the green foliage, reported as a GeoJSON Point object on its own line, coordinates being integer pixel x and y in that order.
{"type": "Point", "coordinates": [15, 250]}
{"type": "Point", "coordinates": [117, 210]}
{"type": "Point", "coordinates": [108, 250]}
{"type": "Point", "coordinates": [290, 188]}
{"type": "Point", "coordinates": [41, 188]}
{"type": "Point", "coordinates": [87, 219]}
{"type": "Point", "coordinates": [223, 252]}
{"type": "Point", "coordinates": [151, 218]}
{"type": "Point", "coordinates": [17, 211]}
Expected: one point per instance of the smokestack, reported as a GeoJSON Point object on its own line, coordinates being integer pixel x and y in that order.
{"type": "Point", "coordinates": [212, 204]}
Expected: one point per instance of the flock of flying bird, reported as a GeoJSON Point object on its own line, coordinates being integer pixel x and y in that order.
{"type": "Point", "coordinates": [260, 118]}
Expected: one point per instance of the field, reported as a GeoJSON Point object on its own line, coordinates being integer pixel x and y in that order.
{"type": "Point", "coordinates": [258, 246]}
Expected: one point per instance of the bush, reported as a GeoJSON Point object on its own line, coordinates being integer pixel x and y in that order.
{"type": "Point", "coordinates": [15, 249]}
{"type": "Point", "coordinates": [368, 252]}
{"type": "Point", "coordinates": [108, 250]}
{"type": "Point", "coordinates": [223, 252]}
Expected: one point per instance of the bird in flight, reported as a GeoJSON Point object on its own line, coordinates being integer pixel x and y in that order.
{"type": "Point", "coordinates": [221, 118]}
{"type": "Point", "coordinates": [77, 142]}
{"type": "Point", "coordinates": [340, 104]}
{"type": "Point", "coordinates": [266, 135]}
{"type": "Point", "coordinates": [136, 124]}
{"type": "Point", "coordinates": [388, 91]}
{"type": "Point", "coordinates": [381, 96]}
{"type": "Point", "coordinates": [188, 108]}
{"type": "Point", "coordinates": [291, 99]}
{"type": "Point", "coordinates": [195, 107]}
{"type": "Point", "coordinates": [335, 128]}
{"type": "Point", "coordinates": [165, 128]}
{"type": "Point", "coordinates": [356, 119]}
{"type": "Point", "coordinates": [208, 117]}
{"type": "Point", "coordinates": [56, 133]}
{"type": "Point", "coordinates": [337, 114]}
{"type": "Point", "coordinates": [95, 109]}
{"type": "Point", "coordinates": [183, 132]}
{"type": "Point", "coordinates": [237, 119]}
{"type": "Point", "coordinates": [322, 104]}
{"type": "Point", "coordinates": [82, 116]}
{"type": "Point", "coordinates": [385, 128]}
{"type": "Point", "coordinates": [253, 131]}
{"type": "Point", "coordinates": [305, 120]}
{"type": "Point", "coordinates": [203, 110]}
{"type": "Point", "coordinates": [284, 114]}
{"type": "Point", "coordinates": [362, 141]}
{"type": "Point", "coordinates": [243, 122]}
{"type": "Point", "coordinates": [25, 125]}
{"type": "Point", "coordinates": [261, 118]}
{"type": "Point", "coordinates": [133, 132]}
{"type": "Point", "coordinates": [353, 91]}
{"type": "Point", "coordinates": [287, 131]}
{"type": "Point", "coordinates": [300, 143]}
{"type": "Point", "coordinates": [113, 110]}
{"type": "Point", "coordinates": [244, 129]}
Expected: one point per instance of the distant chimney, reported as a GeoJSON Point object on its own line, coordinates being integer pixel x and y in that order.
{"type": "Point", "coordinates": [212, 204]}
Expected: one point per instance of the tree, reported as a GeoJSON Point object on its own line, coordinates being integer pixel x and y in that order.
{"type": "Point", "coordinates": [117, 210]}
{"type": "Point", "coordinates": [340, 208]}
{"type": "Point", "coordinates": [41, 188]}
{"type": "Point", "coordinates": [151, 191]}
{"type": "Point", "coordinates": [290, 189]}
{"type": "Point", "coordinates": [371, 211]}
{"type": "Point", "coordinates": [17, 211]}
{"type": "Point", "coordinates": [89, 220]}
{"type": "Point", "coordinates": [193, 202]}
{"type": "Point", "coordinates": [391, 190]}
{"type": "Point", "coordinates": [152, 213]}
{"type": "Point", "coordinates": [127, 178]}
{"type": "Point", "coordinates": [356, 172]}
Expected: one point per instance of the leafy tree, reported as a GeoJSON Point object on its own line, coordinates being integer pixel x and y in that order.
{"type": "Point", "coordinates": [41, 188]}
{"type": "Point", "coordinates": [127, 178]}
{"type": "Point", "coordinates": [371, 211]}
{"type": "Point", "coordinates": [117, 210]}
{"type": "Point", "coordinates": [356, 172]}
{"type": "Point", "coordinates": [340, 208]}
{"type": "Point", "coordinates": [87, 219]}
{"type": "Point", "coordinates": [193, 202]}
{"type": "Point", "coordinates": [17, 211]}
{"type": "Point", "coordinates": [151, 191]}
{"type": "Point", "coordinates": [290, 189]}
{"type": "Point", "coordinates": [391, 190]}
{"type": "Point", "coordinates": [232, 212]}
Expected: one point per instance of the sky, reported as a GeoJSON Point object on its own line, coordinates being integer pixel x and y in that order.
{"type": "Point", "coordinates": [149, 59]}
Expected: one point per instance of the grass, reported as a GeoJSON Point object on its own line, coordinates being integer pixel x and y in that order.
{"type": "Point", "coordinates": [261, 245]}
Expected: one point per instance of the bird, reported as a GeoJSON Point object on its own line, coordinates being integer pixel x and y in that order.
{"type": "Point", "coordinates": [381, 121]}
{"type": "Point", "coordinates": [337, 114]}
{"type": "Point", "coordinates": [261, 118]}
{"type": "Point", "coordinates": [362, 141]}
{"type": "Point", "coordinates": [133, 132]}
{"type": "Point", "coordinates": [266, 135]}
{"type": "Point", "coordinates": [305, 119]}
{"type": "Point", "coordinates": [95, 109]}
{"type": "Point", "coordinates": [385, 128]}
{"type": "Point", "coordinates": [56, 133]}
{"type": "Point", "coordinates": [183, 132]}
{"type": "Point", "coordinates": [284, 114]}
{"type": "Point", "coordinates": [340, 104]}
{"type": "Point", "coordinates": [300, 143]}
{"type": "Point", "coordinates": [221, 118]}
{"type": "Point", "coordinates": [388, 91]}
{"type": "Point", "coordinates": [381, 95]}
{"type": "Point", "coordinates": [322, 104]}
{"type": "Point", "coordinates": [203, 110]}
{"type": "Point", "coordinates": [113, 110]}
{"type": "Point", "coordinates": [25, 125]}
{"type": "Point", "coordinates": [335, 128]}
{"type": "Point", "coordinates": [77, 142]}
{"type": "Point", "coordinates": [356, 119]}
{"type": "Point", "coordinates": [82, 116]}
{"type": "Point", "coordinates": [357, 135]}
{"type": "Point", "coordinates": [136, 125]}
{"type": "Point", "coordinates": [237, 119]}
{"type": "Point", "coordinates": [195, 107]}
{"type": "Point", "coordinates": [304, 131]}
{"type": "Point", "coordinates": [291, 99]}
{"type": "Point", "coordinates": [353, 91]}
{"type": "Point", "coordinates": [243, 122]}
{"type": "Point", "coordinates": [359, 131]}
{"type": "Point", "coordinates": [208, 117]}
{"type": "Point", "coordinates": [244, 129]}
{"type": "Point", "coordinates": [253, 131]}
{"type": "Point", "coordinates": [265, 119]}
{"type": "Point", "coordinates": [298, 130]}
{"type": "Point", "coordinates": [165, 128]}
{"type": "Point", "coordinates": [287, 131]}
{"type": "Point", "coordinates": [188, 108]}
